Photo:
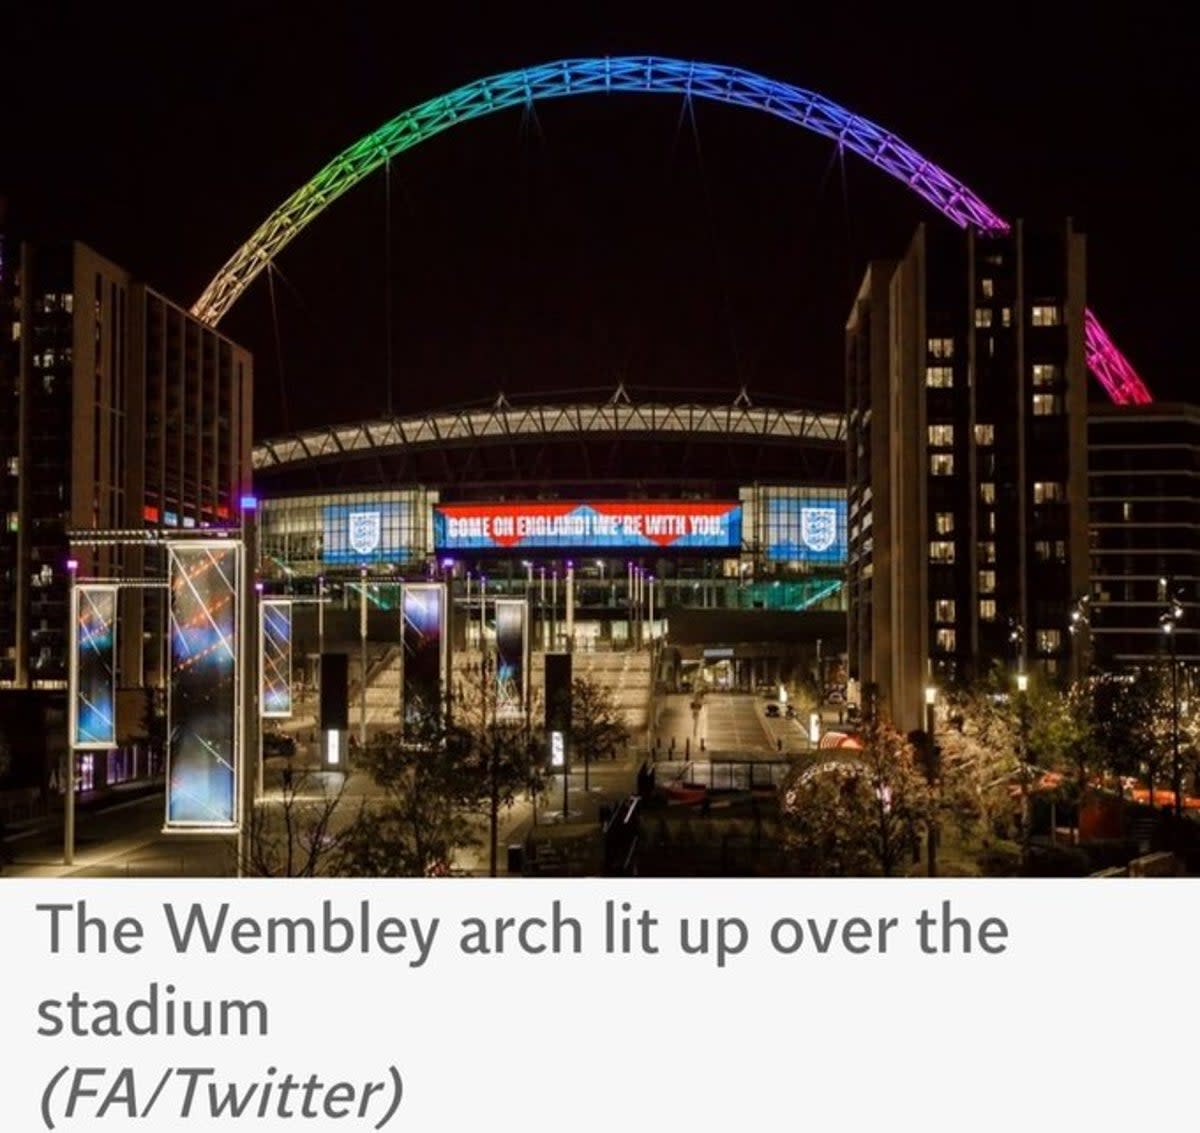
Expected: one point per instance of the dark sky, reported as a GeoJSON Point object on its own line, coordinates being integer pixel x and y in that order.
{"type": "Point", "coordinates": [592, 240]}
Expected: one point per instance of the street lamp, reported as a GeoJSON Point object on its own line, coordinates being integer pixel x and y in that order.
{"type": "Point", "coordinates": [931, 773]}
{"type": "Point", "coordinates": [1169, 620]}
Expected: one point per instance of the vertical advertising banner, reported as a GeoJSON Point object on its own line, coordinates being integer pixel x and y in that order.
{"type": "Point", "coordinates": [512, 658]}
{"type": "Point", "coordinates": [423, 643]}
{"type": "Point", "coordinates": [93, 709]}
{"type": "Point", "coordinates": [202, 704]}
{"type": "Point", "coordinates": [558, 707]}
{"type": "Point", "coordinates": [275, 658]}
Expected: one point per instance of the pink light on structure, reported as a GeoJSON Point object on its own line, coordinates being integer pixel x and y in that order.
{"type": "Point", "coordinates": [1110, 367]}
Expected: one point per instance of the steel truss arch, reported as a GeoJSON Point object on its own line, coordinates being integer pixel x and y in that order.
{"type": "Point", "coordinates": [504, 423]}
{"type": "Point", "coordinates": [645, 75]}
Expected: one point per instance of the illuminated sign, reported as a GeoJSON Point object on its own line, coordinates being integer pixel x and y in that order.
{"type": "Point", "coordinates": [93, 722]}
{"type": "Point", "coordinates": [275, 658]}
{"type": "Point", "coordinates": [423, 643]}
{"type": "Point", "coordinates": [571, 525]}
{"type": "Point", "coordinates": [512, 657]}
{"type": "Point", "coordinates": [365, 533]}
{"type": "Point", "coordinates": [202, 701]}
{"type": "Point", "coordinates": [803, 529]}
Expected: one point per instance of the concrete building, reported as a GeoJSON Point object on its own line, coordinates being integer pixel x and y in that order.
{"type": "Point", "coordinates": [117, 410]}
{"type": "Point", "coordinates": [966, 434]}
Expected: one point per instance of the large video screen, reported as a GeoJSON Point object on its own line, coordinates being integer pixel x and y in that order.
{"type": "Point", "coordinates": [423, 638]}
{"type": "Point", "coordinates": [806, 529]}
{"type": "Point", "coordinates": [366, 532]}
{"type": "Point", "coordinates": [575, 526]}
{"type": "Point", "coordinates": [95, 667]}
{"type": "Point", "coordinates": [202, 705]}
{"type": "Point", "coordinates": [276, 658]}
{"type": "Point", "coordinates": [512, 640]}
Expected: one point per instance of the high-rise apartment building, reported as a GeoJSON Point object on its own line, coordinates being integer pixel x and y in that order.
{"type": "Point", "coordinates": [1144, 503]}
{"type": "Point", "coordinates": [967, 403]}
{"type": "Point", "coordinates": [117, 410]}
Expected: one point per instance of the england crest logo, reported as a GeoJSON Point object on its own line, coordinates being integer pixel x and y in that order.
{"type": "Point", "coordinates": [364, 531]}
{"type": "Point", "coordinates": [818, 527]}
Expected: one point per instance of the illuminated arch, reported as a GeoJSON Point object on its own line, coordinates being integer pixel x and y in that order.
{"type": "Point", "coordinates": [633, 74]}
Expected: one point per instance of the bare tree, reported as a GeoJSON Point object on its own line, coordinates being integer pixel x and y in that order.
{"type": "Point", "coordinates": [302, 831]}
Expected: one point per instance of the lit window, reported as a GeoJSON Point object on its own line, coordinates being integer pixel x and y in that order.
{"type": "Point", "coordinates": [939, 377]}
{"type": "Point", "coordinates": [987, 492]}
{"type": "Point", "coordinates": [68, 303]}
{"type": "Point", "coordinates": [990, 522]}
{"type": "Point", "coordinates": [1047, 404]}
{"type": "Point", "coordinates": [940, 348]}
{"type": "Point", "coordinates": [943, 522]}
{"type": "Point", "coordinates": [1006, 316]}
{"type": "Point", "coordinates": [987, 582]}
{"type": "Point", "coordinates": [1045, 374]}
{"type": "Point", "coordinates": [14, 466]}
{"type": "Point", "coordinates": [987, 610]}
{"type": "Point", "coordinates": [1049, 640]}
{"type": "Point", "coordinates": [941, 551]}
{"type": "Point", "coordinates": [941, 436]}
{"type": "Point", "coordinates": [943, 610]}
{"type": "Point", "coordinates": [987, 552]}
{"type": "Point", "coordinates": [12, 523]}
{"type": "Point", "coordinates": [945, 640]}
{"type": "Point", "coordinates": [1127, 511]}
{"type": "Point", "coordinates": [16, 331]}
{"type": "Point", "coordinates": [941, 464]}
{"type": "Point", "coordinates": [1045, 315]}
{"type": "Point", "coordinates": [983, 316]}
{"type": "Point", "coordinates": [985, 434]}
{"type": "Point", "coordinates": [1047, 491]}
{"type": "Point", "coordinates": [987, 288]}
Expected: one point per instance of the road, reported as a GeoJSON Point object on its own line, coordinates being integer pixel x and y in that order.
{"type": "Point", "coordinates": [730, 724]}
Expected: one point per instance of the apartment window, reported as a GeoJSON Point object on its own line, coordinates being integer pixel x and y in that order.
{"type": "Point", "coordinates": [14, 466]}
{"type": "Point", "coordinates": [989, 521]}
{"type": "Point", "coordinates": [1047, 404]}
{"type": "Point", "coordinates": [1045, 374]}
{"type": "Point", "coordinates": [1046, 315]}
{"type": "Point", "coordinates": [941, 436]}
{"type": "Point", "coordinates": [941, 551]}
{"type": "Point", "coordinates": [945, 640]}
{"type": "Point", "coordinates": [943, 610]}
{"type": "Point", "coordinates": [941, 464]}
{"type": "Point", "coordinates": [987, 609]}
{"type": "Point", "coordinates": [985, 434]}
{"type": "Point", "coordinates": [987, 582]}
{"type": "Point", "coordinates": [1126, 510]}
{"type": "Point", "coordinates": [987, 492]}
{"type": "Point", "coordinates": [987, 552]}
{"type": "Point", "coordinates": [940, 348]}
{"type": "Point", "coordinates": [983, 316]}
{"type": "Point", "coordinates": [1006, 316]}
{"type": "Point", "coordinates": [1049, 640]}
{"type": "Point", "coordinates": [1047, 491]}
{"type": "Point", "coordinates": [939, 377]}
{"type": "Point", "coordinates": [987, 288]}
{"type": "Point", "coordinates": [943, 522]}
{"type": "Point", "coordinates": [12, 523]}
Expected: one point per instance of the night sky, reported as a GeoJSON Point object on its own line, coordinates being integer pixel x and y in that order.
{"type": "Point", "coordinates": [598, 239]}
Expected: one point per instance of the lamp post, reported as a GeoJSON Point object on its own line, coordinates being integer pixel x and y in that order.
{"type": "Point", "coordinates": [362, 633]}
{"type": "Point", "coordinates": [69, 797]}
{"type": "Point", "coordinates": [931, 772]}
{"type": "Point", "coordinates": [1169, 621]}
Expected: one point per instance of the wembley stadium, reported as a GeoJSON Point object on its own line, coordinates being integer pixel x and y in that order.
{"type": "Point", "coordinates": [622, 519]}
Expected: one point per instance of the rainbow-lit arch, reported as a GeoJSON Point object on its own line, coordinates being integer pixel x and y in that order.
{"type": "Point", "coordinates": [633, 74]}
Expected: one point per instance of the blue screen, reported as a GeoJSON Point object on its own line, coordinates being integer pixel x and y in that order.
{"type": "Point", "coordinates": [806, 530]}
{"type": "Point", "coordinates": [366, 533]}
